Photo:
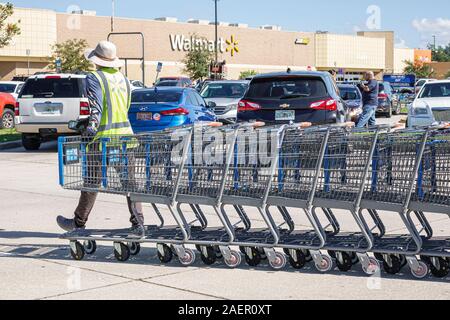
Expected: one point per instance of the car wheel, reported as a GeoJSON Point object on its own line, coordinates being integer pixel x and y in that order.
{"type": "Point", "coordinates": [397, 109]}
{"type": "Point", "coordinates": [31, 142]}
{"type": "Point", "coordinates": [389, 113]}
{"type": "Point", "coordinates": [7, 119]}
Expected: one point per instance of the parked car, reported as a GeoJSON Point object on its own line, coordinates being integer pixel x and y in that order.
{"type": "Point", "coordinates": [353, 100]}
{"type": "Point", "coordinates": [432, 105]}
{"type": "Point", "coordinates": [182, 81]}
{"type": "Point", "coordinates": [287, 97]}
{"type": "Point", "coordinates": [160, 108]}
{"type": "Point", "coordinates": [170, 83]}
{"type": "Point", "coordinates": [46, 104]}
{"type": "Point", "coordinates": [11, 87]}
{"type": "Point", "coordinates": [7, 104]}
{"type": "Point", "coordinates": [387, 100]}
{"type": "Point", "coordinates": [225, 97]}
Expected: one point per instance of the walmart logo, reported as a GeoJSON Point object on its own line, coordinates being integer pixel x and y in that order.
{"type": "Point", "coordinates": [233, 46]}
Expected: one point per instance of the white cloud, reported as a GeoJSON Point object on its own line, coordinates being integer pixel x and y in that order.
{"type": "Point", "coordinates": [439, 27]}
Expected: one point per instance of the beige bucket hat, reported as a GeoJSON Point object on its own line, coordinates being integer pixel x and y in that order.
{"type": "Point", "coordinates": [104, 55]}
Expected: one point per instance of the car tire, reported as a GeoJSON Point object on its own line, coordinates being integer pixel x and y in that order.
{"type": "Point", "coordinates": [7, 119]}
{"type": "Point", "coordinates": [31, 142]}
{"type": "Point", "coordinates": [389, 113]}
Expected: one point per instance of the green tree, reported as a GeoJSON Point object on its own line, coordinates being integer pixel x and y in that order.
{"type": "Point", "coordinates": [198, 60]}
{"type": "Point", "coordinates": [7, 29]}
{"type": "Point", "coordinates": [440, 53]}
{"type": "Point", "coordinates": [71, 53]}
{"type": "Point", "coordinates": [421, 70]}
{"type": "Point", "coordinates": [247, 74]}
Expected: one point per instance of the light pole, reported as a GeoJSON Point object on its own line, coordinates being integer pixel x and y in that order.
{"type": "Point", "coordinates": [216, 41]}
{"type": "Point", "coordinates": [28, 60]}
{"type": "Point", "coordinates": [434, 42]}
{"type": "Point", "coordinates": [113, 14]}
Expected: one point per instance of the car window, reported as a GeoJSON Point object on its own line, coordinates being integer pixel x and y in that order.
{"type": "Point", "coordinates": [155, 96]}
{"type": "Point", "coordinates": [224, 90]}
{"type": "Point", "coordinates": [190, 100]}
{"type": "Point", "coordinates": [8, 88]}
{"type": "Point", "coordinates": [52, 88]}
{"type": "Point", "coordinates": [436, 90]}
{"type": "Point", "coordinates": [287, 88]}
{"type": "Point", "coordinates": [420, 83]}
{"type": "Point", "coordinates": [168, 84]}
{"type": "Point", "coordinates": [200, 101]}
{"type": "Point", "coordinates": [19, 87]}
{"type": "Point", "coordinates": [349, 94]}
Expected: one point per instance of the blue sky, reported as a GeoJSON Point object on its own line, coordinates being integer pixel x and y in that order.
{"type": "Point", "coordinates": [414, 21]}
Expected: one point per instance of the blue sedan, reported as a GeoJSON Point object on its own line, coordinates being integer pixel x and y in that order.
{"type": "Point", "coordinates": [161, 108]}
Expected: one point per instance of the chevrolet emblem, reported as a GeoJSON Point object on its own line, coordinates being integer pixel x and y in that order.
{"type": "Point", "coordinates": [285, 106]}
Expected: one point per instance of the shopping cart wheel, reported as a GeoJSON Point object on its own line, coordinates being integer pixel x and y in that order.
{"type": "Point", "coordinates": [326, 264]}
{"type": "Point", "coordinates": [121, 251]}
{"type": "Point", "coordinates": [421, 271]}
{"type": "Point", "coordinates": [235, 259]}
{"type": "Point", "coordinates": [344, 261]}
{"type": "Point", "coordinates": [135, 248]}
{"type": "Point", "coordinates": [188, 258]}
{"type": "Point", "coordinates": [440, 267]}
{"type": "Point", "coordinates": [90, 246]}
{"type": "Point", "coordinates": [392, 265]}
{"type": "Point", "coordinates": [77, 250]}
{"type": "Point", "coordinates": [373, 267]}
{"type": "Point", "coordinates": [167, 254]}
{"type": "Point", "coordinates": [298, 261]}
{"type": "Point", "coordinates": [254, 258]}
{"type": "Point", "coordinates": [210, 257]}
{"type": "Point", "coordinates": [279, 262]}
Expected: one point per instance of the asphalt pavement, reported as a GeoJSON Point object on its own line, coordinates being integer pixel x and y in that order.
{"type": "Point", "coordinates": [36, 264]}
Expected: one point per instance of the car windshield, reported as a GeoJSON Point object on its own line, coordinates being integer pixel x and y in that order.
{"type": "Point", "coordinates": [436, 90]}
{"type": "Point", "coordinates": [52, 88]}
{"type": "Point", "coordinates": [290, 88]}
{"type": "Point", "coordinates": [224, 90]}
{"type": "Point", "coordinates": [156, 96]}
{"type": "Point", "coordinates": [349, 94]}
{"type": "Point", "coordinates": [8, 88]}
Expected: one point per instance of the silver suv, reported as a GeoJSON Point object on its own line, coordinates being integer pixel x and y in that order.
{"type": "Point", "coordinates": [46, 104]}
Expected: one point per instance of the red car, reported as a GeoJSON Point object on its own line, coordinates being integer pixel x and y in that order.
{"type": "Point", "coordinates": [7, 104]}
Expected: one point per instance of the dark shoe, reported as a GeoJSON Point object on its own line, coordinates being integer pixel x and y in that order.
{"type": "Point", "coordinates": [67, 224]}
{"type": "Point", "coordinates": [137, 232]}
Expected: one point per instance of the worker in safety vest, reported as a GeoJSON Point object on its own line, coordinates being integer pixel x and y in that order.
{"type": "Point", "coordinates": [109, 94]}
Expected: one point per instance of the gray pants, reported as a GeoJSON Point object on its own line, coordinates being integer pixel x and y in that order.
{"type": "Point", "coordinates": [93, 180]}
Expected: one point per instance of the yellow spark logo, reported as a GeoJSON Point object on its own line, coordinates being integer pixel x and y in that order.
{"type": "Point", "coordinates": [232, 46]}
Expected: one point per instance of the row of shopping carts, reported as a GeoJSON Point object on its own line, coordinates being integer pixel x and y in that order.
{"type": "Point", "coordinates": [257, 182]}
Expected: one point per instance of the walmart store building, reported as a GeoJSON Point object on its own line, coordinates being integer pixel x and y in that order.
{"type": "Point", "coordinates": [263, 49]}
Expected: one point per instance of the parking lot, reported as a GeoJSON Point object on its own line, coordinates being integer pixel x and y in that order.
{"type": "Point", "coordinates": [37, 265]}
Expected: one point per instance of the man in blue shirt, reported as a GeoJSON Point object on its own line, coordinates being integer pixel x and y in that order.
{"type": "Point", "coordinates": [370, 100]}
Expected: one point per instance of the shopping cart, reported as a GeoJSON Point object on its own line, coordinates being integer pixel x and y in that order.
{"type": "Point", "coordinates": [394, 171]}
{"type": "Point", "coordinates": [148, 169]}
{"type": "Point", "coordinates": [201, 185]}
{"type": "Point", "coordinates": [432, 196]}
{"type": "Point", "coordinates": [247, 184]}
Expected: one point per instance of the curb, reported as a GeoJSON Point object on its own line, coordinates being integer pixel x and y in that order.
{"type": "Point", "coordinates": [10, 145]}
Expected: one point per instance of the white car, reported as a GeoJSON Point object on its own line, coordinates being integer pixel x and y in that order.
{"type": "Point", "coordinates": [432, 105]}
{"type": "Point", "coordinates": [11, 87]}
{"type": "Point", "coordinates": [46, 104]}
{"type": "Point", "coordinates": [421, 82]}
{"type": "Point", "coordinates": [136, 84]}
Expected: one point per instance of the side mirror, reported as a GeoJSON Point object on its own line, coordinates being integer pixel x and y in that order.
{"type": "Point", "coordinates": [211, 104]}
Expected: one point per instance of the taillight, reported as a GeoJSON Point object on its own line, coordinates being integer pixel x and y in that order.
{"type": "Point", "coordinates": [175, 112]}
{"type": "Point", "coordinates": [327, 105]}
{"type": "Point", "coordinates": [84, 108]}
{"type": "Point", "coordinates": [382, 96]}
{"type": "Point", "coordinates": [17, 109]}
{"type": "Point", "coordinates": [245, 105]}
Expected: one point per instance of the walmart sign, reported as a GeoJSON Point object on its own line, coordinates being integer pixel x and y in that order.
{"type": "Point", "coordinates": [182, 43]}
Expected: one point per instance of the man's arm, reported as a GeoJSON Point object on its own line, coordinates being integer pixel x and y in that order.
{"type": "Point", "coordinates": [95, 96]}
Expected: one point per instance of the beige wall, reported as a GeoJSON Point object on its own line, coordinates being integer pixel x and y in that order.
{"type": "Point", "coordinates": [400, 56]}
{"type": "Point", "coordinates": [389, 38]}
{"type": "Point", "coordinates": [38, 34]}
{"type": "Point", "coordinates": [262, 50]}
{"type": "Point", "coordinates": [441, 69]}
{"type": "Point", "coordinates": [351, 53]}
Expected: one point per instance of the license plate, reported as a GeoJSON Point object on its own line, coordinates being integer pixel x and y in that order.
{"type": "Point", "coordinates": [144, 116]}
{"type": "Point", "coordinates": [284, 115]}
